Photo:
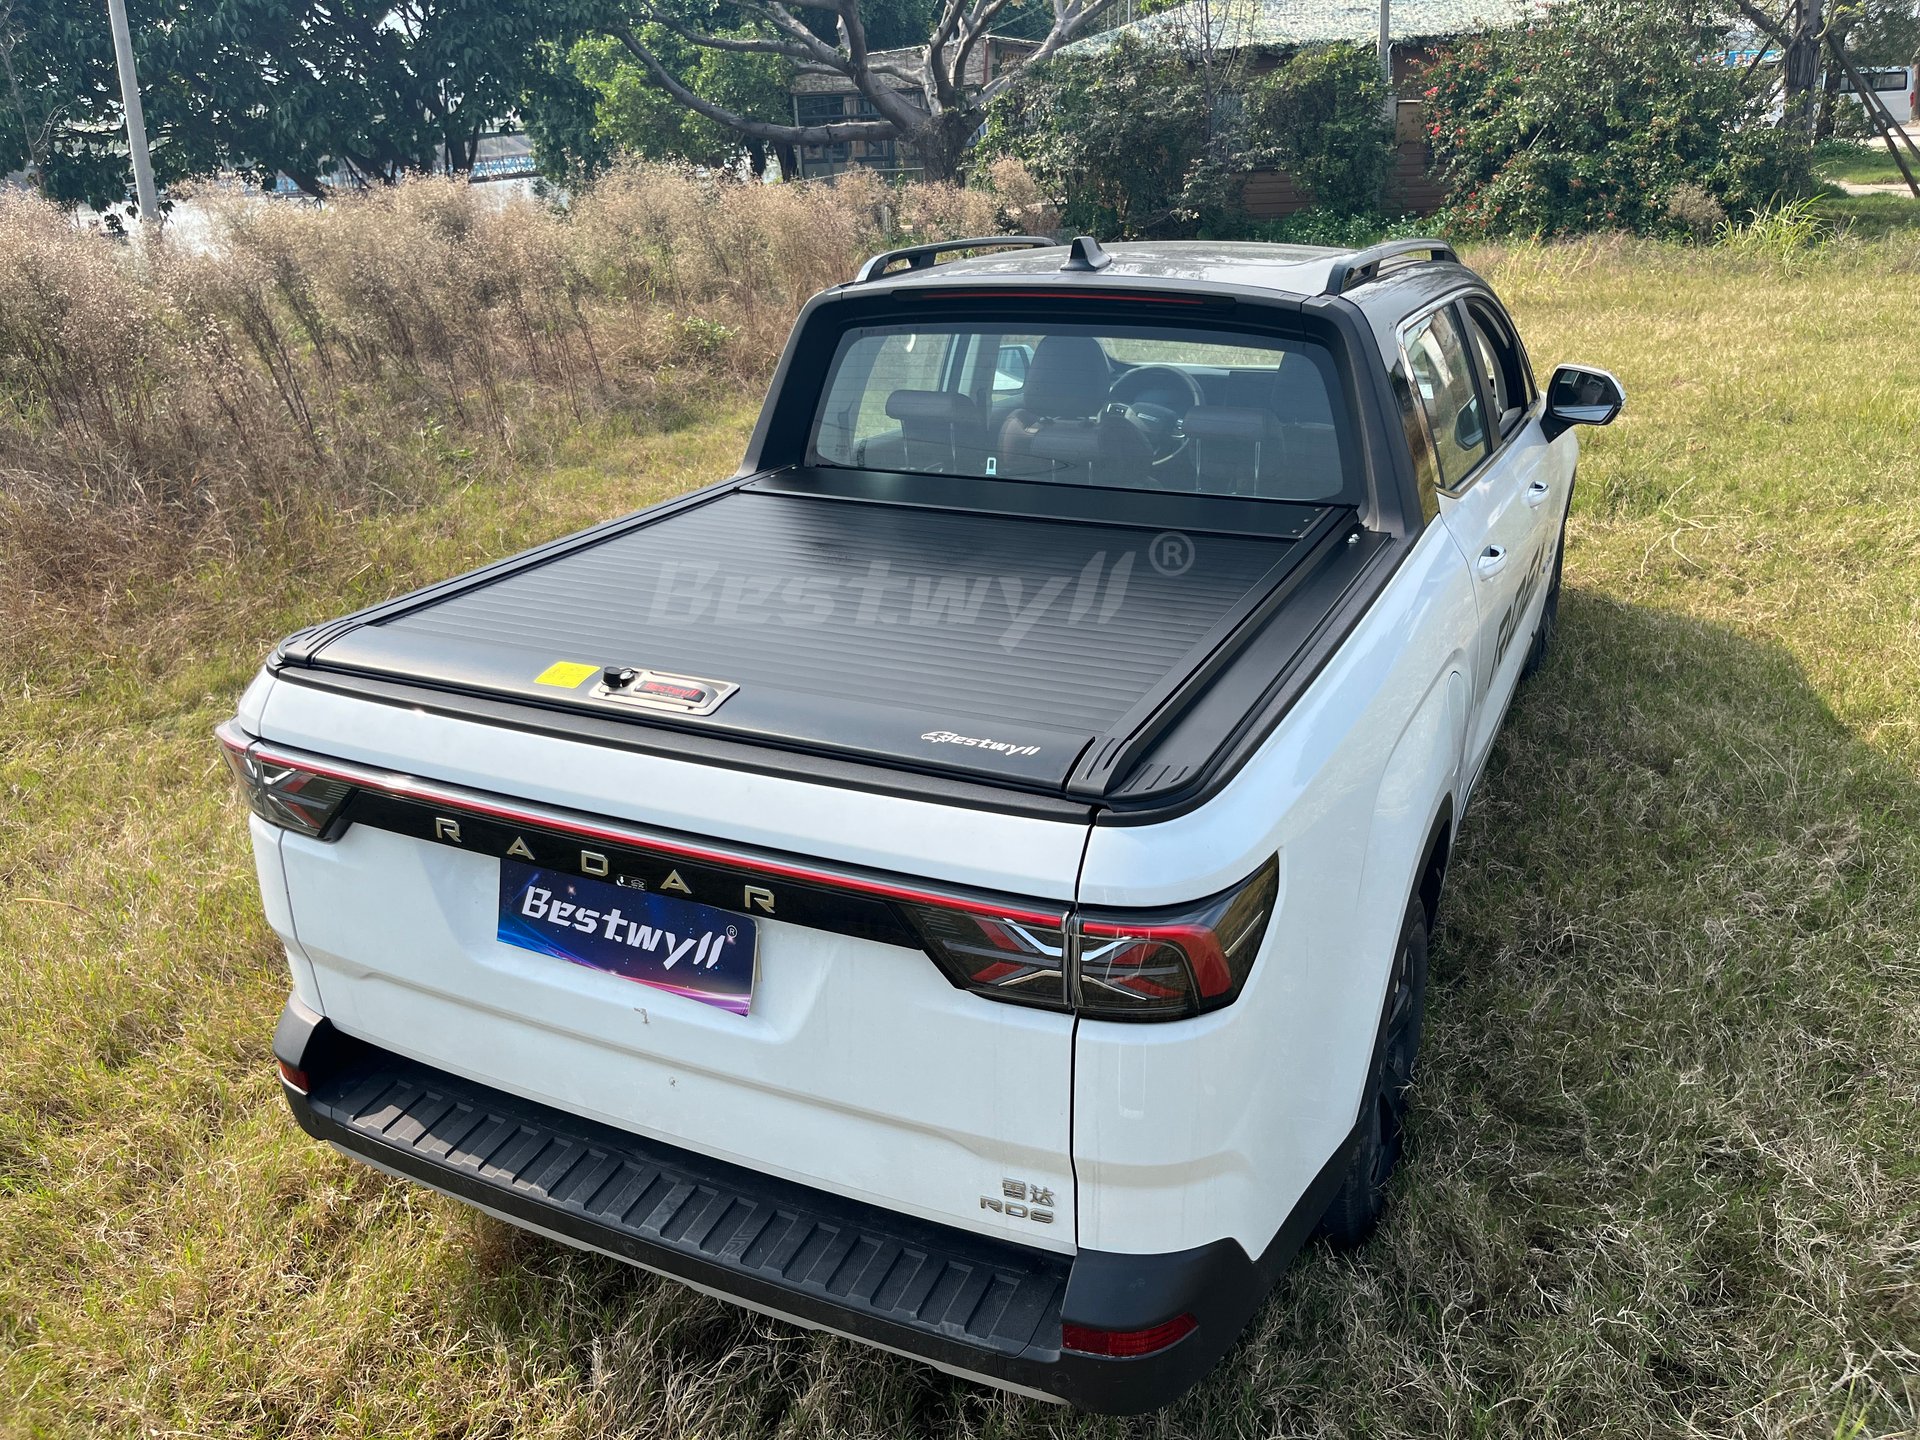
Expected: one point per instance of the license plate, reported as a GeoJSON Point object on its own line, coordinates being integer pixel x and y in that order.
{"type": "Point", "coordinates": [674, 945]}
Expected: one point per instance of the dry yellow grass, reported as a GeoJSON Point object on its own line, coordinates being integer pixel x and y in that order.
{"type": "Point", "coordinates": [162, 407]}
{"type": "Point", "coordinates": [1663, 1179]}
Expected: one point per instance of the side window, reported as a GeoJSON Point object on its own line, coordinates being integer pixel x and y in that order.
{"type": "Point", "coordinates": [1443, 383]}
{"type": "Point", "coordinates": [1501, 364]}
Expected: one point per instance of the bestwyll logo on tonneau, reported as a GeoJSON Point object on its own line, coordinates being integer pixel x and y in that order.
{"type": "Point", "coordinates": [999, 747]}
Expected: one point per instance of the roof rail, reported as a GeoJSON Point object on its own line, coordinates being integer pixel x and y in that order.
{"type": "Point", "coordinates": [925, 257]}
{"type": "Point", "coordinates": [1363, 266]}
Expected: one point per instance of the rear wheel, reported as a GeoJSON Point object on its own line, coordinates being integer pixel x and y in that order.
{"type": "Point", "coordinates": [1549, 616]}
{"type": "Point", "coordinates": [1362, 1197]}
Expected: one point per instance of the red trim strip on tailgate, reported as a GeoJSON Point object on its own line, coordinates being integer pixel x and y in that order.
{"type": "Point", "coordinates": [410, 787]}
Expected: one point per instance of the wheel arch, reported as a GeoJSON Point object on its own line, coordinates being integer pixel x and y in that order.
{"type": "Point", "coordinates": [1433, 865]}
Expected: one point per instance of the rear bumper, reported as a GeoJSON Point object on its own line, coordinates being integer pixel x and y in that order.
{"type": "Point", "coordinates": [967, 1303]}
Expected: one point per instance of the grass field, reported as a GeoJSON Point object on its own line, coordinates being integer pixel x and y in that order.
{"type": "Point", "coordinates": [1664, 1175]}
{"type": "Point", "coordinates": [1864, 164]}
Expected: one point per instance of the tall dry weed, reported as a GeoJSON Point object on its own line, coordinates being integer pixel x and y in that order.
{"type": "Point", "coordinates": [157, 400]}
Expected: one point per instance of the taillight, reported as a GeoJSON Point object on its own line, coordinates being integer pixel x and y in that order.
{"type": "Point", "coordinates": [284, 795]}
{"type": "Point", "coordinates": [1127, 1344]}
{"type": "Point", "coordinates": [1006, 956]}
{"type": "Point", "coordinates": [1172, 963]}
{"type": "Point", "coordinates": [1111, 965]}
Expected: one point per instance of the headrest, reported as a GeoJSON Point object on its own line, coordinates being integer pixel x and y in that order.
{"type": "Point", "coordinates": [1068, 377]}
{"type": "Point", "coordinates": [1231, 422]}
{"type": "Point", "coordinates": [940, 405]}
{"type": "Point", "coordinates": [1300, 393]}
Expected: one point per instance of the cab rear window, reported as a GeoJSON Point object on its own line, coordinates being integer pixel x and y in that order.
{"type": "Point", "coordinates": [1158, 408]}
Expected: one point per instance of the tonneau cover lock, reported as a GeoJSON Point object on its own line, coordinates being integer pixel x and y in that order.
{"type": "Point", "coordinates": [657, 690]}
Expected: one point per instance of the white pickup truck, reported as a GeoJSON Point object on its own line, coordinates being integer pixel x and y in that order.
{"type": "Point", "coordinates": [964, 881]}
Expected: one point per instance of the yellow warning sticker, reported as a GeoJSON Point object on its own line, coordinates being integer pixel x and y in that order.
{"type": "Point", "coordinates": [565, 674]}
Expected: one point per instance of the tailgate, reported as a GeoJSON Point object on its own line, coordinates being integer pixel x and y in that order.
{"type": "Point", "coordinates": [857, 1068]}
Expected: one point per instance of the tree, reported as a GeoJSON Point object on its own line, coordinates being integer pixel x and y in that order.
{"type": "Point", "coordinates": [560, 111]}
{"type": "Point", "coordinates": [1880, 32]}
{"type": "Point", "coordinates": [1857, 32]}
{"type": "Point", "coordinates": [632, 114]}
{"type": "Point", "coordinates": [1114, 136]}
{"type": "Point", "coordinates": [377, 87]}
{"type": "Point", "coordinates": [928, 105]}
{"type": "Point", "coordinates": [61, 96]}
{"type": "Point", "coordinates": [1321, 118]}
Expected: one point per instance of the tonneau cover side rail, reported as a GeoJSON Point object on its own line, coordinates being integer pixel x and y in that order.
{"type": "Point", "coordinates": [1106, 762]}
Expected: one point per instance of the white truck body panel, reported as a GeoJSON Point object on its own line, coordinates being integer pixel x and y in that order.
{"type": "Point", "coordinates": [397, 941]}
{"type": "Point", "coordinates": [1258, 1095]}
{"type": "Point", "coordinates": [791, 1088]}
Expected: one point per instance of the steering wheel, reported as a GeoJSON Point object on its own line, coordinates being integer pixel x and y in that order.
{"type": "Point", "coordinates": [1155, 399]}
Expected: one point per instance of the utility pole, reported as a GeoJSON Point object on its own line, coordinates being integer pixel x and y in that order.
{"type": "Point", "coordinates": [1386, 58]}
{"type": "Point", "coordinates": [136, 118]}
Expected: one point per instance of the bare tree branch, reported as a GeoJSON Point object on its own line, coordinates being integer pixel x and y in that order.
{"type": "Point", "coordinates": [829, 134]}
{"type": "Point", "coordinates": [1757, 17]}
{"type": "Point", "coordinates": [953, 108]}
{"type": "Point", "coordinates": [735, 44]}
{"type": "Point", "coordinates": [1069, 21]}
{"type": "Point", "coordinates": [976, 29]}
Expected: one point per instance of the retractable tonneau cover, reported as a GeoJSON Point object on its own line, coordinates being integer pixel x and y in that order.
{"type": "Point", "coordinates": [905, 622]}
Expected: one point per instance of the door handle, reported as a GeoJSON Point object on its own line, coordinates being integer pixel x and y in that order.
{"type": "Point", "coordinates": [1537, 493]}
{"type": "Point", "coordinates": [1492, 561]}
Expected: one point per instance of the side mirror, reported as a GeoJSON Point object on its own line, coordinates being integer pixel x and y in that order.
{"type": "Point", "coordinates": [1468, 432]}
{"type": "Point", "coordinates": [1580, 396]}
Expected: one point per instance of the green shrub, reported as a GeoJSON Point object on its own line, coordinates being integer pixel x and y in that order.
{"type": "Point", "coordinates": [1593, 116]}
{"type": "Point", "coordinates": [1155, 139]}
{"type": "Point", "coordinates": [1113, 135]}
{"type": "Point", "coordinates": [1321, 117]}
{"type": "Point", "coordinates": [1319, 226]}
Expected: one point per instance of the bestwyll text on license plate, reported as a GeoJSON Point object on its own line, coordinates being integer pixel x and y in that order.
{"type": "Point", "coordinates": [675, 945]}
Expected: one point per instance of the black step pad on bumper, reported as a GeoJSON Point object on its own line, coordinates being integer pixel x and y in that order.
{"type": "Point", "coordinates": [657, 1199]}
{"type": "Point", "coordinates": [985, 1307]}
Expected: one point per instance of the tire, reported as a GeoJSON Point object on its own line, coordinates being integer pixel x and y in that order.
{"type": "Point", "coordinates": [1362, 1197]}
{"type": "Point", "coordinates": [1549, 624]}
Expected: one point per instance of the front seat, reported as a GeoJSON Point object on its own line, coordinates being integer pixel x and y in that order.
{"type": "Point", "coordinates": [1062, 430]}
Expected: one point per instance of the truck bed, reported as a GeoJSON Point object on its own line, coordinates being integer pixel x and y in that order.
{"type": "Point", "coordinates": [1015, 632]}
